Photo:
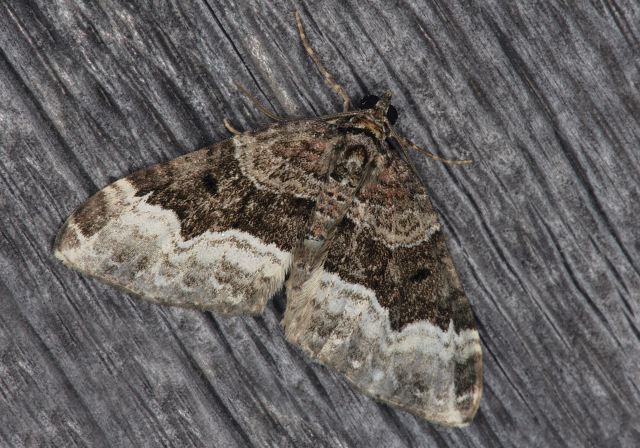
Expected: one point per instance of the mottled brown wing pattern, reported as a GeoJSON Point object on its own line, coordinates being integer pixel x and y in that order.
{"type": "Point", "coordinates": [388, 310]}
{"type": "Point", "coordinates": [392, 243]}
{"type": "Point", "coordinates": [373, 292]}
{"type": "Point", "coordinates": [212, 229]}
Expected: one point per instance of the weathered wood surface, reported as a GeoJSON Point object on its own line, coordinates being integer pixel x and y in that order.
{"type": "Point", "coordinates": [543, 227]}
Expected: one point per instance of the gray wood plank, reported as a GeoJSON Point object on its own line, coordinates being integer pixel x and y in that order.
{"type": "Point", "coordinates": [543, 227]}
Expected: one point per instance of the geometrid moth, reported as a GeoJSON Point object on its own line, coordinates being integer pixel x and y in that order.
{"type": "Point", "coordinates": [329, 207]}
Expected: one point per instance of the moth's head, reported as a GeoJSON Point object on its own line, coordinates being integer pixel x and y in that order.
{"type": "Point", "coordinates": [381, 109]}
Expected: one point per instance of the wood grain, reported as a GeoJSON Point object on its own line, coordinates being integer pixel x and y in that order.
{"type": "Point", "coordinates": [543, 227]}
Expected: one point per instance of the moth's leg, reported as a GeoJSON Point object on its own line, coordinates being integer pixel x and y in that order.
{"type": "Point", "coordinates": [406, 143]}
{"type": "Point", "coordinates": [257, 103]}
{"type": "Point", "coordinates": [328, 77]}
{"type": "Point", "coordinates": [230, 128]}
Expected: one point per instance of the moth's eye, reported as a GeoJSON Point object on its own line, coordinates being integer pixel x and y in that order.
{"type": "Point", "coordinates": [369, 102]}
{"type": "Point", "coordinates": [392, 115]}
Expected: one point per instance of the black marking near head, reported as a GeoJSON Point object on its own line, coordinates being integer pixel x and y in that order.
{"type": "Point", "coordinates": [346, 130]}
{"type": "Point", "coordinates": [210, 183]}
{"type": "Point", "coordinates": [370, 101]}
{"type": "Point", "coordinates": [392, 114]}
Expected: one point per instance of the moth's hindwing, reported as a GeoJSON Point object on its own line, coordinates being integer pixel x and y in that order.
{"type": "Point", "coordinates": [213, 229]}
{"type": "Point", "coordinates": [387, 309]}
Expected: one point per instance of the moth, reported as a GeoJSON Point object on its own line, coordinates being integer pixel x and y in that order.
{"type": "Point", "coordinates": [331, 209]}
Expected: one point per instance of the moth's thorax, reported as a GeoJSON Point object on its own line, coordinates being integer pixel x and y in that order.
{"type": "Point", "coordinates": [368, 122]}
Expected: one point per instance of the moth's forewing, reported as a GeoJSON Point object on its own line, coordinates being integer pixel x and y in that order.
{"type": "Point", "coordinates": [213, 229]}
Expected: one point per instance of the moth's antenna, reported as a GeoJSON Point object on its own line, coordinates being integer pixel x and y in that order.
{"type": "Point", "coordinates": [328, 77]}
{"type": "Point", "coordinates": [405, 142]}
{"type": "Point", "coordinates": [257, 103]}
{"type": "Point", "coordinates": [230, 128]}
{"type": "Point", "coordinates": [410, 163]}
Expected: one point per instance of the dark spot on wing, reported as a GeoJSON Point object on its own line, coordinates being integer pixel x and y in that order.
{"type": "Point", "coordinates": [429, 290]}
{"type": "Point", "coordinates": [210, 183]}
{"type": "Point", "coordinates": [466, 375]}
{"type": "Point", "coordinates": [420, 275]}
